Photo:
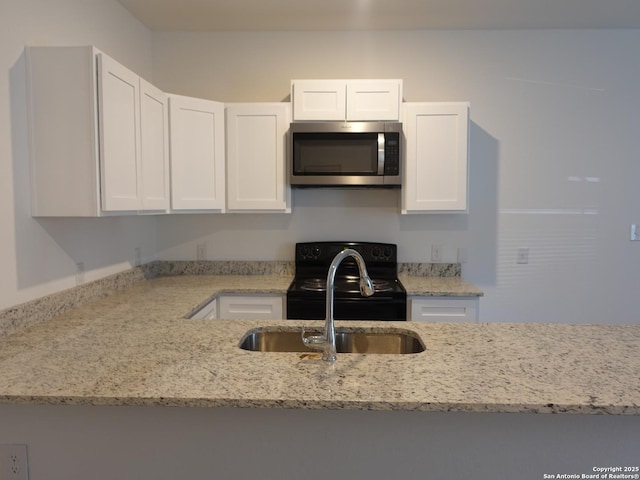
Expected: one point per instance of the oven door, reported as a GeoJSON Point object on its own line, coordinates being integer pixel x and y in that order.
{"type": "Point", "coordinates": [372, 308]}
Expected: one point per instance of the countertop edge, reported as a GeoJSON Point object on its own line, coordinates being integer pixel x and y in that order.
{"type": "Point", "coordinates": [307, 404]}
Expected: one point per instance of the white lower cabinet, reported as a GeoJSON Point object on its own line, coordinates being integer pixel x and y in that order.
{"type": "Point", "coordinates": [98, 135]}
{"type": "Point", "coordinates": [259, 307]}
{"type": "Point", "coordinates": [443, 309]}
{"type": "Point", "coordinates": [436, 157]}
{"type": "Point", "coordinates": [249, 307]}
{"type": "Point", "coordinates": [197, 154]}
{"type": "Point", "coordinates": [256, 141]}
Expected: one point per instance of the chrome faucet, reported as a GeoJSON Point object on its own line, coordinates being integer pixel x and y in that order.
{"type": "Point", "coordinates": [327, 341]}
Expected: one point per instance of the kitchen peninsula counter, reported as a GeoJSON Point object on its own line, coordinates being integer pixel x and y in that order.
{"type": "Point", "coordinates": [135, 347]}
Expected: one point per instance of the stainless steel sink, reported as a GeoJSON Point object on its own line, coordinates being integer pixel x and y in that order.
{"type": "Point", "coordinates": [376, 341]}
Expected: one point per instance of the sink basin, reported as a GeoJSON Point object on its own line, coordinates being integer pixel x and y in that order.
{"type": "Point", "coordinates": [376, 341]}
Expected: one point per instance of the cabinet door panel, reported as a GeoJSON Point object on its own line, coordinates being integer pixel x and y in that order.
{"type": "Point", "coordinates": [256, 144]}
{"type": "Point", "coordinates": [154, 140]}
{"type": "Point", "coordinates": [436, 157]}
{"type": "Point", "coordinates": [197, 154]}
{"type": "Point", "coordinates": [119, 146]}
{"type": "Point", "coordinates": [369, 100]}
{"type": "Point", "coordinates": [318, 99]}
{"type": "Point", "coordinates": [443, 309]}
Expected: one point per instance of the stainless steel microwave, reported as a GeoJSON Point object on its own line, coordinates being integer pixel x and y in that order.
{"type": "Point", "coordinates": [345, 154]}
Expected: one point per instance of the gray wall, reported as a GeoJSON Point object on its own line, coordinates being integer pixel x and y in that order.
{"type": "Point", "coordinates": [554, 157]}
{"type": "Point", "coordinates": [104, 443]}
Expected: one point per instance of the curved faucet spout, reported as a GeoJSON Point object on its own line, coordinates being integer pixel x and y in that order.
{"type": "Point", "coordinates": [327, 341]}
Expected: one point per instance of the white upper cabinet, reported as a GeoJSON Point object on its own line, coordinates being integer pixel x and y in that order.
{"type": "Point", "coordinates": [197, 154]}
{"type": "Point", "coordinates": [256, 157]}
{"type": "Point", "coordinates": [374, 100]}
{"type": "Point", "coordinates": [436, 160]}
{"type": "Point", "coordinates": [350, 100]}
{"type": "Point", "coordinates": [86, 135]}
{"type": "Point", "coordinates": [318, 99]}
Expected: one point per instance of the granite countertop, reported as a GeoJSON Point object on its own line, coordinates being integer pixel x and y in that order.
{"type": "Point", "coordinates": [439, 286]}
{"type": "Point", "coordinates": [135, 347]}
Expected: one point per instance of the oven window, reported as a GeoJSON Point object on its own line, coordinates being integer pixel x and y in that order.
{"type": "Point", "coordinates": [335, 153]}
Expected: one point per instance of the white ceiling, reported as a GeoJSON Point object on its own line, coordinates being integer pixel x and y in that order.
{"type": "Point", "coordinates": [212, 15]}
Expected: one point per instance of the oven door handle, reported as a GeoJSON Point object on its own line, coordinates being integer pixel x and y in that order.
{"type": "Point", "coordinates": [374, 297]}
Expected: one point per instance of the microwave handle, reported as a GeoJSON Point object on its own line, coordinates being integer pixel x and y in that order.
{"type": "Point", "coordinates": [380, 153]}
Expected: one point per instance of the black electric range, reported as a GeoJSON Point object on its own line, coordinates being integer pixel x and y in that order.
{"type": "Point", "coordinates": [306, 296]}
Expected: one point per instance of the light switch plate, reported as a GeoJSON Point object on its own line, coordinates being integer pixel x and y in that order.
{"type": "Point", "coordinates": [635, 233]}
{"type": "Point", "coordinates": [523, 255]}
{"type": "Point", "coordinates": [436, 253]}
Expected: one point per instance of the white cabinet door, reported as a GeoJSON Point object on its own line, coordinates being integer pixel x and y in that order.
{"type": "Point", "coordinates": [443, 309]}
{"type": "Point", "coordinates": [436, 161]}
{"type": "Point", "coordinates": [154, 141]}
{"type": "Point", "coordinates": [374, 100]}
{"type": "Point", "coordinates": [259, 307]}
{"type": "Point", "coordinates": [197, 154]}
{"type": "Point", "coordinates": [318, 99]}
{"type": "Point", "coordinates": [119, 120]}
{"type": "Point", "coordinates": [256, 159]}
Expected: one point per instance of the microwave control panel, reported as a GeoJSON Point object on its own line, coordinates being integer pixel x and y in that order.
{"type": "Point", "coordinates": [392, 153]}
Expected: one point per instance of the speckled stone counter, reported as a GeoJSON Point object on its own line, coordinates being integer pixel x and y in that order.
{"type": "Point", "coordinates": [439, 286]}
{"type": "Point", "coordinates": [135, 347]}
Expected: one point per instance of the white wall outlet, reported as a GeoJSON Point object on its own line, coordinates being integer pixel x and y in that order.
{"type": "Point", "coordinates": [635, 233]}
{"type": "Point", "coordinates": [436, 253]}
{"type": "Point", "coordinates": [13, 462]}
{"type": "Point", "coordinates": [201, 251]}
{"type": "Point", "coordinates": [523, 255]}
{"type": "Point", "coordinates": [79, 275]}
{"type": "Point", "coordinates": [462, 255]}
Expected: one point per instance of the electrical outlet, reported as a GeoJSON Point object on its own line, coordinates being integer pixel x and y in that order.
{"type": "Point", "coordinates": [79, 273]}
{"type": "Point", "coordinates": [635, 233]}
{"type": "Point", "coordinates": [137, 257]}
{"type": "Point", "coordinates": [201, 251]}
{"type": "Point", "coordinates": [436, 253]}
{"type": "Point", "coordinates": [462, 255]}
{"type": "Point", "coordinates": [523, 256]}
{"type": "Point", "coordinates": [13, 462]}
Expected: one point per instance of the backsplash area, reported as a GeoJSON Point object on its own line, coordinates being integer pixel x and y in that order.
{"type": "Point", "coordinates": [36, 311]}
